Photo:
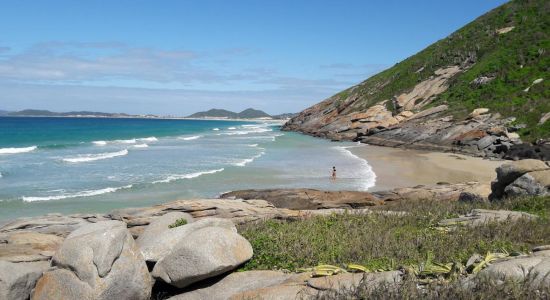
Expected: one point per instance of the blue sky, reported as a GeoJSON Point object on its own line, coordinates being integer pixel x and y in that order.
{"type": "Point", "coordinates": [178, 57]}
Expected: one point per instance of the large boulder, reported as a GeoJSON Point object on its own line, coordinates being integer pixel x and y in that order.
{"type": "Point", "coordinates": [18, 279]}
{"type": "Point", "coordinates": [533, 183]}
{"type": "Point", "coordinates": [205, 253]}
{"type": "Point", "coordinates": [509, 172]}
{"type": "Point", "coordinates": [97, 261]}
{"type": "Point", "coordinates": [154, 249]}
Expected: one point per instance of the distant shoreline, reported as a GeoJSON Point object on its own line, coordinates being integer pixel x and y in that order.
{"type": "Point", "coordinates": [282, 121]}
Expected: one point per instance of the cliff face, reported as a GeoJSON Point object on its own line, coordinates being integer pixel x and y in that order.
{"type": "Point", "coordinates": [479, 91]}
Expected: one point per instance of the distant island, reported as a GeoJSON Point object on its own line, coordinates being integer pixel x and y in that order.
{"type": "Point", "coordinates": [248, 113]}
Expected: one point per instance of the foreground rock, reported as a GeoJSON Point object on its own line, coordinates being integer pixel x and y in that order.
{"type": "Point", "coordinates": [205, 253]}
{"type": "Point", "coordinates": [480, 217]}
{"type": "Point", "coordinates": [534, 268]}
{"type": "Point", "coordinates": [524, 177]}
{"type": "Point", "coordinates": [234, 283]}
{"type": "Point", "coordinates": [18, 279]}
{"type": "Point", "coordinates": [348, 281]}
{"type": "Point", "coordinates": [157, 248]}
{"type": "Point", "coordinates": [97, 261]}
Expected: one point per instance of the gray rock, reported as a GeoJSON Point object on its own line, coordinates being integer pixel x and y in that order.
{"type": "Point", "coordinates": [509, 172]}
{"type": "Point", "coordinates": [159, 226]}
{"type": "Point", "coordinates": [235, 283]}
{"type": "Point", "coordinates": [533, 183]}
{"type": "Point", "coordinates": [18, 279]}
{"type": "Point", "coordinates": [154, 249]}
{"type": "Point", "coordinates": [280, 292]}
{"type": "Point", "coordinates": [486, 141]}
{"type": "Point", "coordinates": [62, 284]}
{"type": "Point", "coordinates": [483, 216]}
{"type": "Point", "coordinates": [348, 281]}
{"type": "Point", "coordinates": [206, 253]}
{"type": "Point", "coordinates": [535, 269]}
{"type": "Point", "coordinates": [471, 197]}
{"type": "Point", "coordinates": [100, 257]}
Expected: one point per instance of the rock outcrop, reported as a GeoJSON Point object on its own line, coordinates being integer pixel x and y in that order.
{"type": "Point", "coordinates": [308, 198]}
{"type": "Point", "coordinates": [94, 262]}
{"type": "Point", "coordinates": [524, 177]}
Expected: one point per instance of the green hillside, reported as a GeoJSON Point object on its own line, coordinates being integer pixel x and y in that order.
{"type": "Point", "coordinates": [513, 60]}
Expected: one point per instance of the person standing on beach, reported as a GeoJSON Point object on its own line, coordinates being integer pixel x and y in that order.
{"type": "Point", "coordinates": [333, 177]}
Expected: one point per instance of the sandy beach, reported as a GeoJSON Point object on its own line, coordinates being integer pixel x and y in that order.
{"type": "Point", "coordinates": [396, 167]}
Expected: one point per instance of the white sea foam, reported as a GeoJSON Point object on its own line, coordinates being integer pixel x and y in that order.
{"type": "Point", "coordinates": [93, 157]}
{"type": "Point", "coordinates": [216, 129]}
{"type": "Point", "coordinates": [253, 145]}
{"type": "Point", "coordinates": [246, 161]}
{"type": "Point", "coordinates": [232, 128]}
{"type": "Point", "coordinates": [175, 177]}
{"type": "Point", "coordinates": [88, 193]}
{"type": "Point", "coordinates": [17, 150]}
{"type": "Point", "coordinates": [128, 141]}
{"type": "Point", "coordinates": [190, 138]}
{"type": "Point", "coordinates": [1, 175]}
{"type": "Point", "coordinates": [99, 143]}
{"type": "Point", "coordinates": [366, 172]}
{"type": "Point", "coordinates": [141, 146]}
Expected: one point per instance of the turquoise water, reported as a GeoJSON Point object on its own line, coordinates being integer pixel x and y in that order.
{"type": "Point", "coordinates": [72, 165]}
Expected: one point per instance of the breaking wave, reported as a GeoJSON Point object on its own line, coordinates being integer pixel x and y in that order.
{"type": "Point", "coordinates": [94, 157]}
{"type": "Point", "coordinates": [87, 193]}
{"type": "Point", "coordinates": [17, 150]}
{"type": "Point", "coordinates": [175, 177]}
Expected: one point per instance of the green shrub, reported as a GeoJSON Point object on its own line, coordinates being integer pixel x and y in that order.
{"type": "Point", "coordinates": [179, 222]}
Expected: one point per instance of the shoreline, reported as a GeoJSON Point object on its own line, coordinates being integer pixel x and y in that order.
{"type": "Point", "coordinates": [397, 167]}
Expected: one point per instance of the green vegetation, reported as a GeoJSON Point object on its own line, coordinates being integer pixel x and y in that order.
{"type": "Point", "coordinates": [435, 291]}
{"type": "Point", "coordinates": [386, 241]}
{"type": "Point", "coordinates": [514, 59]}
{"type": "Point", "coordinates": [179, 222]}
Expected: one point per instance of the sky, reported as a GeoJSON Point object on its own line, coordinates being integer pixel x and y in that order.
{"type": "Point", "coordinates": [172, 57]}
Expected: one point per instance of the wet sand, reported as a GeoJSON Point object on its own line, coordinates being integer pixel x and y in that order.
{"type": "Point", "coordinates": [396, 167]}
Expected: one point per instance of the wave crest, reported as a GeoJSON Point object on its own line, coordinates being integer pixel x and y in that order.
{"type": "Point", "coordinates": [93, 157]}
{"type": "Point", "coordinates": [190, 138]}
{"type": "Point", "coordinates": [186, 176]}
{"type": "Point", "coordinates": [17, 150]}
{"type": "Point", "coordinates": [88, 193]}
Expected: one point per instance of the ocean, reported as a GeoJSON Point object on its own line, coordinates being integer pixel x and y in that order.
{"type": "Point", "coordinates": [80, 165]}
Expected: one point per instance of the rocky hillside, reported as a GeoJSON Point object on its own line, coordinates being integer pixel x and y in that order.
{"type": "Point", "coordinates": [481, 90]}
